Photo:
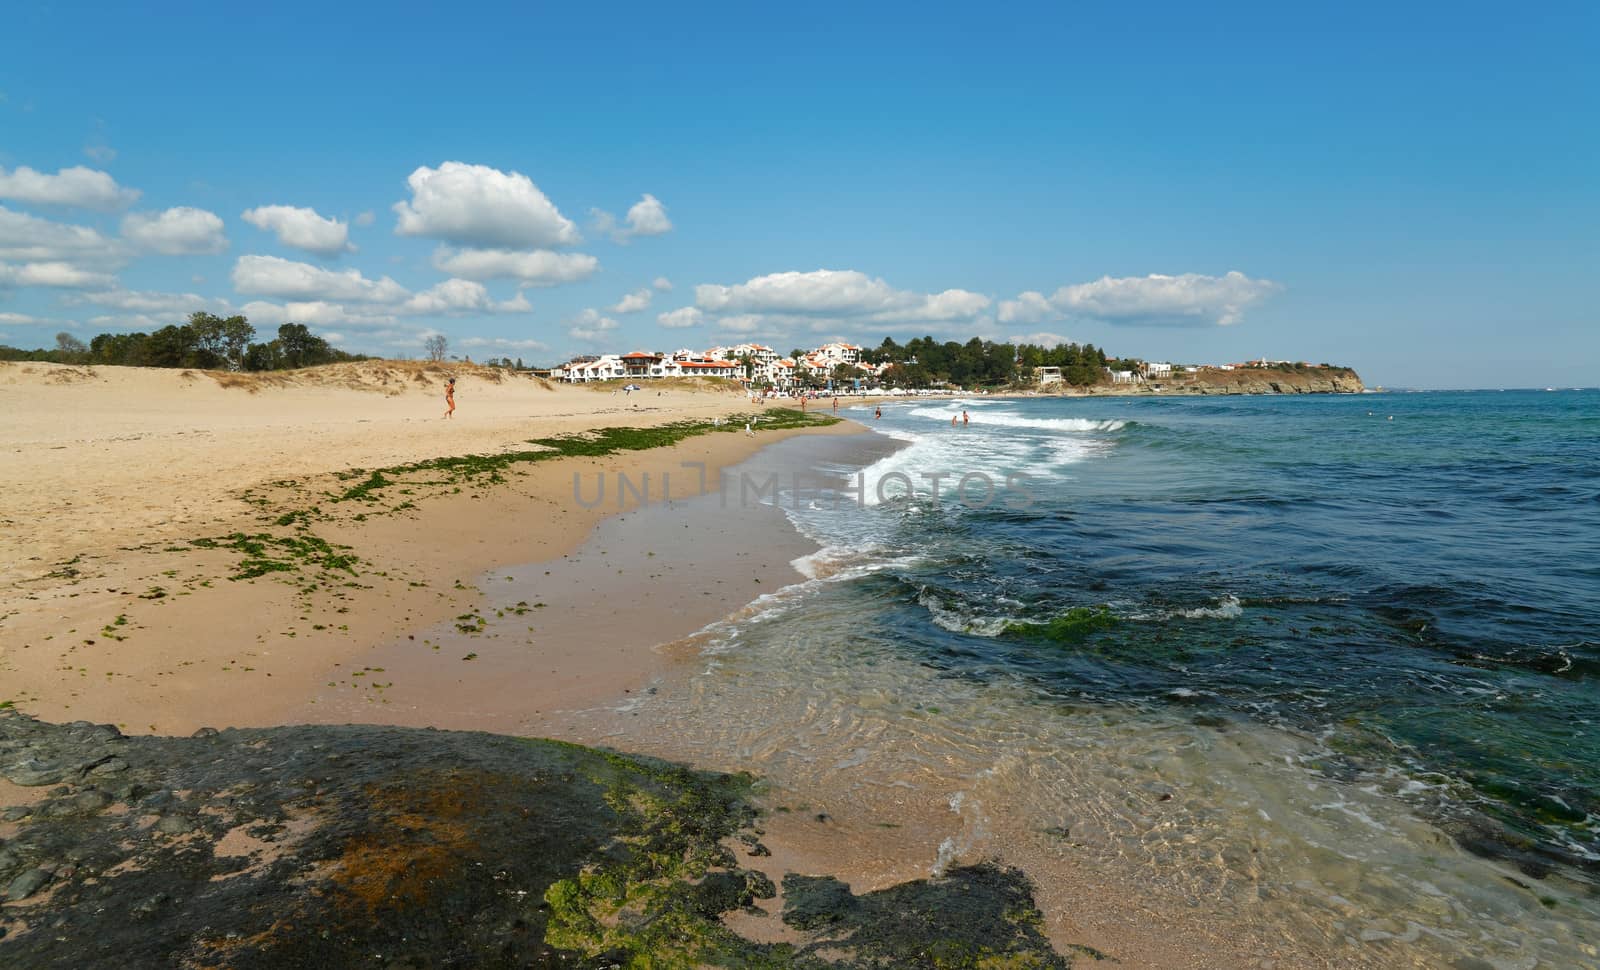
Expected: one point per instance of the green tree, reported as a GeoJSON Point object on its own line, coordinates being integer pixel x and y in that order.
{"type": "Point", "coordinates": [302, 348]}
{"type": "Point", "coordinates": [171, 347]}
{"type": "Point", "coordinates": [221, 339]}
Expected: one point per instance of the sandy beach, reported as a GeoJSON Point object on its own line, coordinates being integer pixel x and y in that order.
{"type": "Point", "coordinates": [112, 613]}
{"type": "Point", "coordinates": [515, 600]}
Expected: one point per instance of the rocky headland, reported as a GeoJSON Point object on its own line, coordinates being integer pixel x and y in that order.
{"type": "Point", "coordinates": [1243, 380]}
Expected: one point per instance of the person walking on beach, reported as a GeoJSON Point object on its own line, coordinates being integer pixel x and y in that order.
{"type": "Point", "coordinates": [450, 397]}
{"type": "Point", "coordinates": [836, 404]}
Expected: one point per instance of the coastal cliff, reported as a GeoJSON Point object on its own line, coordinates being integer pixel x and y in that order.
{"type": "Point", "coordinates": [1243, 380]}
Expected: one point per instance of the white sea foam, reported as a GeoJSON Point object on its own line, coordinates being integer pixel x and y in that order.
{"type": "Point", "coordinates": [1011, 419]}
{"type": "Point", "coordinates": [957, 622]}
{"type": "Point", "coordinates": [1228, 609]}
{"type": "Point", "coordinates": [838, 563]}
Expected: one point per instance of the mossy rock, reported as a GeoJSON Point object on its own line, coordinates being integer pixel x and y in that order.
{"type": "Point", "coordinates": [354, 845]}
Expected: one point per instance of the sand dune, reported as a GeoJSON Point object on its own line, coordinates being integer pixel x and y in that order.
{"type": "Point", "coordinates": [98, 457]}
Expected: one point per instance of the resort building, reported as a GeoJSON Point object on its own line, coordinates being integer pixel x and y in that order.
{"type": "Point", "coordinates": [759, 353]}
{"type": "Point", "coordinates": [765, 365]}
{"type": "Point", "coordinates": [838, 353]}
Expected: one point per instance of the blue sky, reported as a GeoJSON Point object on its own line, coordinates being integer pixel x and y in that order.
{"type": "Point", "coordinates": [1407, 188]}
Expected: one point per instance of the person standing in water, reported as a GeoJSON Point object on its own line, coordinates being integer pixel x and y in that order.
{"type": "Point", "coordinates": [964, 419]}
{"type": "Point", "coordinates": [877, 413]}
{"type": "Point", "coordinates": [450, 397]}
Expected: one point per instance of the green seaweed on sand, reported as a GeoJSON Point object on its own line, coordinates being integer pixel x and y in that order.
{"type": "Point", "coordinates": [491, 468]}
{"type": "Point", "coordinates": [265, 553]}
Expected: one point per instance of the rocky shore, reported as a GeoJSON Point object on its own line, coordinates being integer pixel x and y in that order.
{"type": "Point", "coordinates": [390, 847]}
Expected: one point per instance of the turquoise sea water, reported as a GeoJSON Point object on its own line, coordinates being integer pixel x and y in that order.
{"type": "Point", "coordinates": [1325, 667]}
{"type": "Point", "coordinates": [1414, 577]}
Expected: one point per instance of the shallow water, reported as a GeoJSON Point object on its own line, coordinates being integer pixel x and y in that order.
{"type": "Point", "coordinates": [1323, 674]}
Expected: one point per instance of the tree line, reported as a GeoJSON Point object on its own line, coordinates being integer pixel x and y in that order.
{"type": "Point", "coordinates": [206, 342]}
{"type": "Point", "coordinates": [925, 362]}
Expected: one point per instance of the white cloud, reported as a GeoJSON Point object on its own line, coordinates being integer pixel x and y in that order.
{"type": "Point", "coordinates": [742, 323]}
{"type": "Point", "coordinates": [482, 207]}
{"type": "Point", "coordinates": [54, 274]}
{"type": "Point", "coordinates": [286, 279]}
{"type": "Point", "coordinates": [181, 231]}
{"type": "Point", "coordinates": [1157, 300]}
{"type": "Point", "coordinates": [540, 267]}
{"type": "Point", "coordinates": [1041, 339]}
{"type": "Point", "coordinates": [104, 154]}
{"type": "Point", "coordinates": [130, 321]}
{"type": "Point", "coordinates": [836, 295]}
{"type": "Point", "coordinates": [590, 325]}
{"type": "Point", "coordinates": [1029, 307]}
{"type": "Point", "coordinates": [150, 301]}
{"type": "Point", "coordinates": [822, 291]}
{"type": "Point", "coordinates": [366, 218]}
{"type": "Point", "coordinates": [948, 305]}
{"type": "Point", "coordinates": [320, 313]}
{"type": "Point", "coordinates": [79, 186]}
{"type": "Point", "coordinates": [22, 319]}
{"type": "Point", "coordinates": [680, 318]}
{"type": "Point", "coordinates": [633, 302]}
{"type": "Point", "coordinates": [502, 344]}
{"type": "Point", "coordinates": [302, 228]}
{"type": "Point", "coordinates": [647, 217]}
{"type": "Point", "coordinates": [663, 284]}
{"type": "Point", "coordinates": [25, 238]}
{"type": "Point", "coordinates": [455, 296]}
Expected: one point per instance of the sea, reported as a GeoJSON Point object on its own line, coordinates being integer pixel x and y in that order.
{"type": "Point", "coordinates": [1326, 665]}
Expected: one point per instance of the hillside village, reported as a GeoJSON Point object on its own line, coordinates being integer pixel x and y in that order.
{"type": "Point", "coordinates": [836, 363]}
{"type": "Point", "coordinates": [841, 366]}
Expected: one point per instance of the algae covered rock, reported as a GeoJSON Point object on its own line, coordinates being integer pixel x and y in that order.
{"type": "Point", "coordinates": [391, 847]}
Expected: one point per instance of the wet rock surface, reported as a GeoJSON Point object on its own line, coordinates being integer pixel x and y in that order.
{"type": "Point", "coordinates": [369, 846]}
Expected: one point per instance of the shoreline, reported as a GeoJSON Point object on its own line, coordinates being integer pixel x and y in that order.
{"type": "Point", "coordinates": [584, 629]}
{"type": "Point", "coordinates": [155, 638]}
{"type": "Point", "coordinates": [485, 558]}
